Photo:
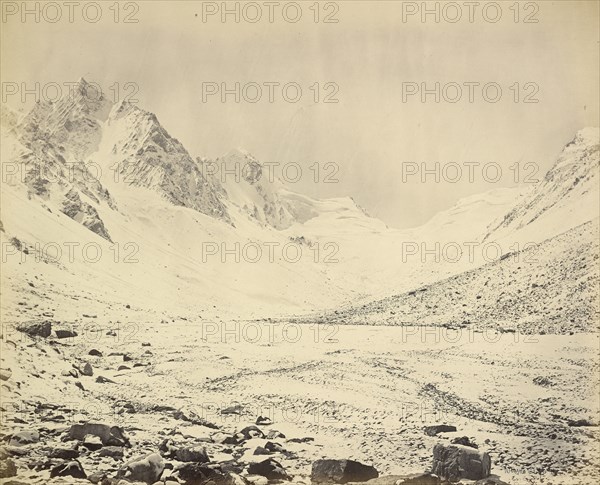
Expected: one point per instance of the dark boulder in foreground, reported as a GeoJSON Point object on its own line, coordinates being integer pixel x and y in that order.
{"type": "Point", "coordinates": [341, 471]}
{"type": "Point", "coordinates": [270, 469]}
{"type": "Point", "coordinates": [68, 469]}
{"type": "Point", "coordinates": [456, 461]}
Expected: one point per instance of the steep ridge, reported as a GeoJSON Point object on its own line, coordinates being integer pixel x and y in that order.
{"type": "Point", "coordinates": [566, 197]}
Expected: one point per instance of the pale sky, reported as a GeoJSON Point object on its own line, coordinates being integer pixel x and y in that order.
{"type": "Point", "coordinates": [369, 53]}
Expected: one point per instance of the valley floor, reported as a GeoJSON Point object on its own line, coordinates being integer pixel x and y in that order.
{"type": "Point", "coordinates": [361, 392]}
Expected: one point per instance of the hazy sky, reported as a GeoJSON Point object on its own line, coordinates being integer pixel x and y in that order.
{"type": "Point", "coordinates": [371, 133]}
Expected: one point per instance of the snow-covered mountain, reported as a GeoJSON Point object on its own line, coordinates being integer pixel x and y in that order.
{"type": "Point", "coordinates": [86, 170]}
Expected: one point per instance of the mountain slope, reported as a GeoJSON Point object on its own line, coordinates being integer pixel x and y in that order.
{"type": "Point", "coordinates": [552, 288]}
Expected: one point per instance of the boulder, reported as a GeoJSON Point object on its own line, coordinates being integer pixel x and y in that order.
{"type": "Point", "coordinates": [63, 453]}
{"type": "Point", "coordinates": [92, 442]}
{"type": "Point", "coordinates": [115, 452]}
{"type": "Point", "coordinates": [270, 469]}
{"type": "Point", "coordinates": [341, 471]}
{"type": "Point", "coordinates": [109, 435]}
{"type": "Point", "coordinates": [195, 454]}
{"type": "Point", "coordinates": [36, 329]}
{"type": "Point", "coordinates": [7, 468]}
{"type": "Point", "coordinates": [250, 432]}
{"type": "Point", "coordinates": [65, 333]}
{"type": "Point", "coordinates": [23, 438]}
{"type": "Point", "coordinates": [465, 441]}
{"type": "Point", "coordinates": [198, 474]}
{"type": "Point", "coordinates": [87, 370]}
{"type": "Point", "coordinates": [438, 428]}
{"type": "Point", "coordinates": [145, 469]}
{"type": "Point", "coordinates": [68, 469]}
{"type": "Point", "coordinates": [456, 461]}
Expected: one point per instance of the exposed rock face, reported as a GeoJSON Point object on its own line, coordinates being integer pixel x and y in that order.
{"type": "Point", "coordinates": [456, 461]}
{"type": "Point", "coordinates": [341, 471]}
{"type": "Point", "coordinates": [84, 213]}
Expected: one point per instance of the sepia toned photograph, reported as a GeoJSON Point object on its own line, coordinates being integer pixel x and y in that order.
{"type": "Point", "coordinates": [300, 242]}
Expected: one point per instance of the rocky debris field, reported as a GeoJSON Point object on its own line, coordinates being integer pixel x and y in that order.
{"type": "Point", "coordinates": [550, 288]}
{"type": "Point", "coordinates": [112, 388]}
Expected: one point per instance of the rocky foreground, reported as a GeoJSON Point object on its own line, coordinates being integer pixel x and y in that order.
{"type": "Point", "coordinates": [81, 407]}
{"type": "Point", "coordinates": [193, 451]}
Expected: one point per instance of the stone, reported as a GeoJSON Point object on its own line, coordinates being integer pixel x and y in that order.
{"type": "Point", "coordinates": [87, 370]}
{"type": "Point", "coordinates": [250, 432]}
{"type": "Point", "coordinates": [65, 333]}
{"type": "Point", "coordinates": [456, 461]}
{"type": "Point", "coordinates": [274, 434]}
{"type": "Point", "coordinates": [196, 454]}
{"type": "Point", "coordinates": [5, 374]}
{"type": "Point", "coordinates": [23, 438]}
{"type": "Point", "coordinates": [419, 479]}
{"type": "Point", "coordinates": [104, 380]}
{"type": "Point", "coordinates": [95, 352]}
{"type": "Point", "coordinates": [68, 469]}
{"type": "Point", "coordinates": [270, 469]}
{"type": "Point", "coordinates": [109, 435]}
{"type": "Point", "coordinates": [92, 442]}
{"type": "Point", "coordinates": [63, 453]}
{"type": "Point", "coordinates": [115, 452]}
{"type": "Point", "coordinates": [341, 471]}
{"type": "Point", "coordinates": [438, 428]}
{"type": "Point", "coordinates": [264, 421]}
{"type": "Point", "coordinates": [145, 469]}
{"type": "Point", "coordinates": [464, 440]}
{"type": "Point", "coordinates": [36, 329]}
{"type": "Point", "coordinates": [7, 468]}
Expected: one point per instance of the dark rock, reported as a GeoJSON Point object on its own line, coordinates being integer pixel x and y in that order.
{"type": "Point", "coordinates": [87, 370]}
{"type": "Point", "coordinates": [456, 461]}
{"type": "Point", "coordinates": [63, 453]}
{"type": "Point", "coordinates": [341, 471]}
{"type": "Point", "coordinates": [36, 329]}
{"type": "Point", "coordinates": [274, 447]}
{"type": "Point", "coordinates": [92, 442]}
{"type": "Point", "coordinates": [95, 352]}
{"type": "Point", "coordinates": [274, 434]}
{"type": "Point", "coordinates": [250, 432]}
{"type": "Point", "coordinates": [235, 409]}
{"type": "Point", "coordinates": [5, 374]}
{"type": "Point", "coordinates": [438, 428]}
{"type": "Point", "coordinates": [65, 333]}
{"type": "Point", "coordinates": [464, 440]}
{"type": "Point", "coordinates": [115, 452]}
{"type": "Point", "coordinates": [195, 454]}
{"type": "Point", "coordinates": [143, 469]}
{"type": "Point", "coordinates": [7, 468]}
{"type": "Point", "coordinates": [580, 423]}
{"type": "Point", "coordinates": [261, 451]}
{"type": "Point", "coordinates": [270, 469]}
{"type": "Point", "coordinates": [104, 380]}
{"type": "Point", "coordinates": [109, 435]}
{"type": "Point", "coordinates": [264, 421]}
{"type": "Point", "coordinates": [306, 439]}
{"type": "Point", "coordinates": [198, 474]}
{"type": "Point", "coordinates": [123, 367]}
{"type": "Point", "coordinates": [68, 469]}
